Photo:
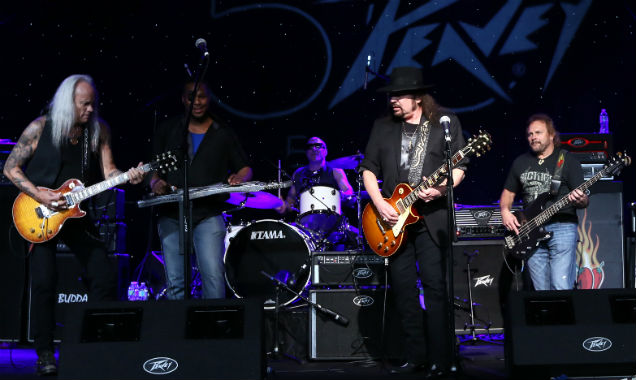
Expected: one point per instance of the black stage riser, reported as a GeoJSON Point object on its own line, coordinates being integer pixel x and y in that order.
{"type": "Point", "coordinates": [571, 332]}
{"type": "Point", "coordinates": [194, 339]}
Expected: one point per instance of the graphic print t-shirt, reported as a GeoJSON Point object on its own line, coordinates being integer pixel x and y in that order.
{"type": "Point", "coordinates": [529, 179]}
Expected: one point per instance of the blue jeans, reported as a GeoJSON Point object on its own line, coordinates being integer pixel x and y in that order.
{"type": "Point", "coordinates": [209, 246]}
{"type": "Point", "coordinates": [553, 264]}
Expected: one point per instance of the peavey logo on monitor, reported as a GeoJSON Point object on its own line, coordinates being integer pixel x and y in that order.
{"type": "Point", "coordinates": [597, 344]}
{"type": "Point", "coordinates": [363, 301]}
{"type": "Point", "coordinates": [267, 235]}
{"type": "Point", "coordinates": [362, 273]}
{"type": "Point", "coordinates": [160, 366]}
{"type": "Point", "coordinates": [71, 298]}
{"type": "Point", "coordinates": [483, 280]}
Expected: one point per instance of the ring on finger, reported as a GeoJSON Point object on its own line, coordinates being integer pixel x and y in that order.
{"type": "Point", "coordinates": [54, 203]}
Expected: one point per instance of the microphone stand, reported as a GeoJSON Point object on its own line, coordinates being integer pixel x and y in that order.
{"type": "Point", "coordinates": [338, 318]}
{"type": "Point", "coordinates": [185, 206]}
{"type": "Point", "coordinates": [449, 262]}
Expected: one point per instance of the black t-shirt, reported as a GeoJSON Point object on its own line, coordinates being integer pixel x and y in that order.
{"type": "Point", "coordinates": [529, 178]}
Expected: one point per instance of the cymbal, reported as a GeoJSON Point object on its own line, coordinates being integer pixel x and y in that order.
{"type": "Point", "coordinates": [257, 199]}
{"type": "Point", "coordinates": [347, 162]}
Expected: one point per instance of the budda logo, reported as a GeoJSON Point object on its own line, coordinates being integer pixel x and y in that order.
{"type": "Point", "coordinates": [72, 298]}
{"type": "Point", "coordinates": [160, 366]}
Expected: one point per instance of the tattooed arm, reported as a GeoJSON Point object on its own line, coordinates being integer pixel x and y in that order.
{"type": "Point", "coordinates": [108, 163]}
{"type": "Point", "coordinates": [20, 155]}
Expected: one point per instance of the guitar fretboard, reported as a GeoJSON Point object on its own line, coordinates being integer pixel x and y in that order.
{"type": "Point", "coordinates": [79, 196]}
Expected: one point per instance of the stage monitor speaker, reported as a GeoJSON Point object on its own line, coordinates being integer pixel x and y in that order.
{"type": "Point", "coordinates": [71, 289]}
{"type": "Point", "coordinates": [13, 269]}
{"type": "Point", "coordinates": [490, 281]}
{"type": "Point", "coordinates": [361, 339]}
{"type": "Point", "coordinates": [599, 252]}
{"type": "Point", "coordinates": [193, 339]}
{"type": "Point", "coordinates": [571, 333]}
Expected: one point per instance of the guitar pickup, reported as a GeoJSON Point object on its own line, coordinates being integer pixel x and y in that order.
{"type": "Point", "coordinates": [42, 212]}
{"type": "Point", "coordinates": [69, 200]}
{"type": "Point", "coordinates": [377, 221]}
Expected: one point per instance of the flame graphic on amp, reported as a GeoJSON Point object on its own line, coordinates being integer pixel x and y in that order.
{"type": "Point", "coordinates": [590, 271]}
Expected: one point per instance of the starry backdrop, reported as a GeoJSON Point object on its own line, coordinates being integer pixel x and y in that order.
{"type": "Point", "coordinates": [284, 71]}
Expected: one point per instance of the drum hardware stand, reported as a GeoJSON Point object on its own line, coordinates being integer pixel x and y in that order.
{"type": "Point", "coordinates": [359, 239]}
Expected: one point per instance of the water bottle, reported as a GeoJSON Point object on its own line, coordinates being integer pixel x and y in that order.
{"type": "Point", "coordinates": [143, 292]}
{"type": "Point", "coordinates": [603, 121]}
{"type": "Point", "coordinates": [133, 291]}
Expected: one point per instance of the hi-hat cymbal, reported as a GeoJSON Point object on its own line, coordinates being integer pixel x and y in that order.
{"type": "Point", "coordinates": [347, 162]}
{"type": "Point", "coordinates": [257, 199]}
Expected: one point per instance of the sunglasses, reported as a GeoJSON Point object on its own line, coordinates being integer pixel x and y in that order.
{"type": "Point", "coordinates": [316, 146]}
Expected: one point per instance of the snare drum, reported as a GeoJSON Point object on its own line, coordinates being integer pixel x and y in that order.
{"type": "Point", "coordinates": [274, 247]}
{"type": "Point", "coordinates": [320, 209]}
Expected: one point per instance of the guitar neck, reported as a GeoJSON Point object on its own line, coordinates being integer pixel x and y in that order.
{"type": "Point", "coordinates": [549, 212]}
{"type": "Point", "coordinates": [97, 188]}
{"type": "Point", "coordinates": [433, 179]}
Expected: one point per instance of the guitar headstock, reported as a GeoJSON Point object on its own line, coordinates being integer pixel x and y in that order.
{"type": "Point", "coordinates": [618, 162]}
{"type": "Point", "coordinates": [478, 144]}
{"type": "Point", "coordinates": [165, 162]}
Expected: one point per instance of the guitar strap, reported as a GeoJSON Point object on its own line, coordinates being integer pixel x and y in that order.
{"type": "Point", "coordinates": [558, 169]}
{"type": "Point", "coordinates": [416, 159]}
{"type": "Point", "coordinates": [85, 155]}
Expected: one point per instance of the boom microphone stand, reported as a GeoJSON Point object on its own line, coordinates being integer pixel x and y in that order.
{"type": "Point", "coordinates": [185, 206]}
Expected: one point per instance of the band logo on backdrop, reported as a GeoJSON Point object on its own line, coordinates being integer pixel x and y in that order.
{"type": "Point", "coordinates": [590, 271]}
{"type": "Point", "coordinates": [471, 47]}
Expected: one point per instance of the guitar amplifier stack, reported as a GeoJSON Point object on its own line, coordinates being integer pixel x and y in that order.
{"type": "Point", "coordinates": [350, 283]}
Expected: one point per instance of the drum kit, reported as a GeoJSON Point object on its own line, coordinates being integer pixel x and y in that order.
{"type": "Point", "coordinates": [284, 249]}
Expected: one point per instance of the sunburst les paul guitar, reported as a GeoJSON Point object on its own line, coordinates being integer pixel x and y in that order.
{"type": "Point", "coordinates": [385, 239]}
{"type": "Point", "coordinates": [536, 214]}
{"type": "Point", "coordinates": [37, 223]}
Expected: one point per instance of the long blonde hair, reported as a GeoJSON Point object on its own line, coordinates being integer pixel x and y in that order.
{"type": "Point", "coordinates": [62, 111]}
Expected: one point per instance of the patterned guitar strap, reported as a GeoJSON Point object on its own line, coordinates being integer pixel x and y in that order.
{"type": "Point", "coordinates": [558, 169]}
{"type": "Point", "coordinates": [85, 155]}
{"type": "Point", "coordinates": [417, 154]}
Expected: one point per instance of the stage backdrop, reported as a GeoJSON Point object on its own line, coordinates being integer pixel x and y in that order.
{"type": "Point", "coordinates": [282, 71]}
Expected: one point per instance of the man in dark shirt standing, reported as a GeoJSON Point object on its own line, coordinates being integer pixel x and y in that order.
{"type": "Point", "coordinates": [215, 156]}
{"type": "Point", "coordinates": [552, 265]}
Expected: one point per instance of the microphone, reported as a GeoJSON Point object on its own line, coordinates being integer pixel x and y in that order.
{"type": "Point", "coordinates": [339, 319]}
{"type": "Point", "coordinates": [203, 46]}
{"type": "Point", "coordinates": [366, 71]}
{"type": "Point", "coordinates": [445, 122]}
{"type": "Point", "coordinates": [299, 273]}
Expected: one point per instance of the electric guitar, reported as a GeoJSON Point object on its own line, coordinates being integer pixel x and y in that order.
{"type": "Point", "coordinates": [385, 239]}
{"type": "Point", "coordinates": [536, 214]}
{"type": "Point", "coordinates": [37, 223]}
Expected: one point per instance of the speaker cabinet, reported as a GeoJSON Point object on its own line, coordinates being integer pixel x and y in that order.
{"type": "Point", "coordinates": [71, 289]}
{"type": "Point", "coordinates": [347, 268]}
{"type": "Point", "coordinates": [361, 339]}
{"type": "Point", "coordinates": [490, 280]}
{"type": "Point", "coordinates": [599, 252]}
{"type": "Point", "coordinates": [571, 332]}
{"type": "Point", "coordinates": [193, 339]}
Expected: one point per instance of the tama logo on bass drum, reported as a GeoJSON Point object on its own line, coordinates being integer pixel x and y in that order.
{"type": "Point", "coordinates": [267, 235]}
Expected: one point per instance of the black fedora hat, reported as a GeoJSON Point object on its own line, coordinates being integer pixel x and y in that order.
{"type": "Point", "coordinates": [405, 79]}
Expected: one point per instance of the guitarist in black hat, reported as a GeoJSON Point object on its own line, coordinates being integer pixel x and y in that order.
{"type": "Point", "coordinates": [552, 264]}
{"type": "Point", "coordinates": [402, 148]}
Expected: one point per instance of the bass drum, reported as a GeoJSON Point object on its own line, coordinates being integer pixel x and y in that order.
{"type": "Point", "coordinates": [274, 247]}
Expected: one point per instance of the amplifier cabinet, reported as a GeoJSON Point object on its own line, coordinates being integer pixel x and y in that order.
{"type": "Point", "coordinates": [347, 268]}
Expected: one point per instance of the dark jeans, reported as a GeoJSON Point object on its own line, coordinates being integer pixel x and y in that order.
{"type": "Point", "coordinates": [426, 331]}
{"type": "Point", "coordinates": [98, 275]}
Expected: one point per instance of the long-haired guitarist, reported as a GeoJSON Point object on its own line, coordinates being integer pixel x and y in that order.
{"type": "Point", "coordinates": [402, 148]}
{"type": "Point", "coordinates": [552, 265]}
{"type": "Point", "coordinates": [70, 141]}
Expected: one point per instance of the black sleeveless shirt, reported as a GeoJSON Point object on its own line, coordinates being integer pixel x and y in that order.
{"type": "Point", "coordinates": [305, 178]}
